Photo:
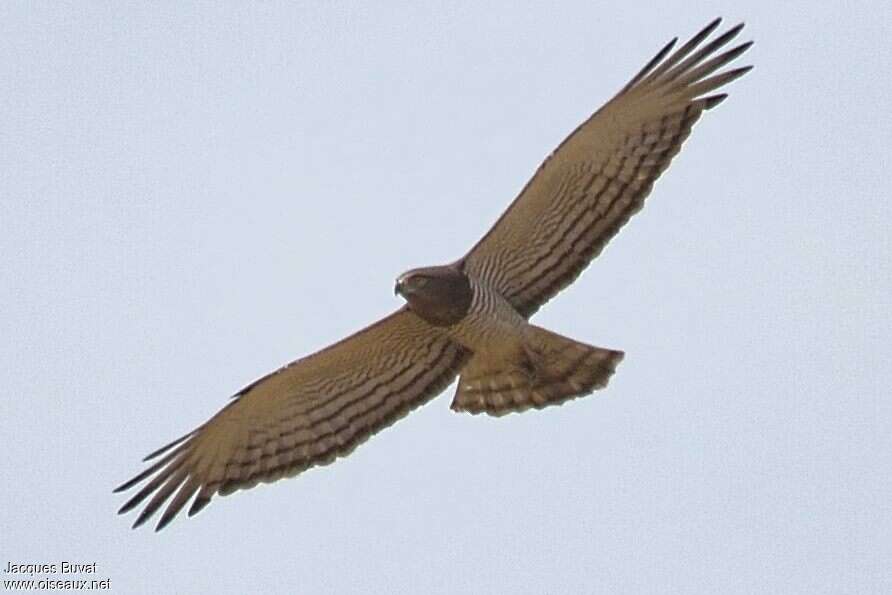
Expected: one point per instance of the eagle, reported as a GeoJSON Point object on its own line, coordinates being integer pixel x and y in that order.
{"type": "Point", "coordinates": [469, 318]}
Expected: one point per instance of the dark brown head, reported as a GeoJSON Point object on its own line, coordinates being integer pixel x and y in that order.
{"type": "Point", "coordinates": [439, 295]}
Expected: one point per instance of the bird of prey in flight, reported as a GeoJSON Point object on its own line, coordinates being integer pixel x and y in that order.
{"type": "Point", "coordinates": [468, 319]}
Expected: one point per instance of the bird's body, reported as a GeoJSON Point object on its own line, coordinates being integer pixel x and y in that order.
{"type": "Point", "coordinates": [513, 365]}
{"type": "Point", "coordinates": [469, 318]}
{"type": "Point", "coordinates": [491, 325]}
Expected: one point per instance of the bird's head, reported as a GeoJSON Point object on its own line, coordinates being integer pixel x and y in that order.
{"type": "Point", "coordinates": [440, 295]}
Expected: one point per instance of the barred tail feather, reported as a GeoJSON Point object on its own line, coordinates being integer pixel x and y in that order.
{"type": "Point", "coordinates": [550, 370]}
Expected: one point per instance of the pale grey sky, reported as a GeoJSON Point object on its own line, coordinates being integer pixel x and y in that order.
{"type": "Point", "coordinates": [194, 194]}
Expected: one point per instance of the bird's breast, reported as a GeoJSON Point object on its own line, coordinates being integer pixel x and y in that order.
{"type": "Point", "coordinates": [491, 323]}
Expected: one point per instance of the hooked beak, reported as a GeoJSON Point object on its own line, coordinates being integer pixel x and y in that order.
{"type": "Point", "coordinates": [403, 287]}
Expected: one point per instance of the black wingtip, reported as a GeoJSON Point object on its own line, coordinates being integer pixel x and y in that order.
{"type": "Point", "coordinates": [738, 72]}
{"type": "Point", "coordinates": [658, 58]}
{"type": "Point", "coordinates": [725, 37]}
{"type": "Point", "coordinates": [198, 504]}
{"type": "Point", "coordinates": [736, 28]}
{"type": "Point", "coordinates": [711, 26]}
{"type": "Point", "coordinates": [714, 100]}
{"type": "Point", "coordinates": [702, 34]}
{"type": "Point", "coordinates": [165, 520]}
{"type": "Point", "coordinates": [666, 49]}
{"type": "Point", "coordinates": [138, 478]}
{"type": "Point", "coordinates": [662, 53]}
{"type": "Point", "coordinates": [143, 517]}
{"type": "Point", "coordinates": [128, 484]}
{"type": "Point", "coordinates": [155, 453]}
{"type": "Point", "coordinates": [167, 446]}
{"type": "Point", "coordinates": [130, 504]}
{"type": "Point", "coordinates": [650, 65]}
{"type": "Point", "coordinates": [743, 47]}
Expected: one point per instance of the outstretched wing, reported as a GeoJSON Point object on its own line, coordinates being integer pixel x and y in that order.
{"type": "Point", "coordinates": [600, 175]}
{"type": "Point", "coordinates": [307, 413]}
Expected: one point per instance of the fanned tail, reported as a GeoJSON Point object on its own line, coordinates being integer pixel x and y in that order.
{"type": "Point", "coordinates": [550, 369]}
